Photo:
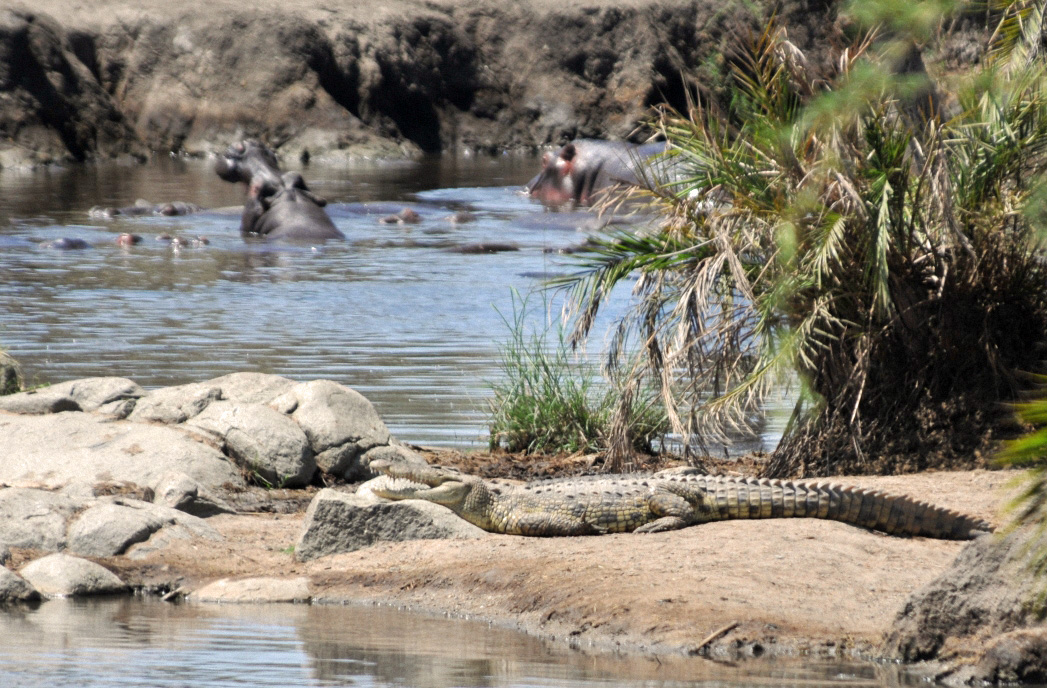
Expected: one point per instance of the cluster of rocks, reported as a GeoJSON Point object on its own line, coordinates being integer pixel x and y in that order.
{"type": "Point", "coordinates": [101, 468]}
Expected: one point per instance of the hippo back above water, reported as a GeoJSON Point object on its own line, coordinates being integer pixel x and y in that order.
{"type": "Point", "coordinates": [279, 205]}
{"type": "Point", "coordinates": [585, 167]}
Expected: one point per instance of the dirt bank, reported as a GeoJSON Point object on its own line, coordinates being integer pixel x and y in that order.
{"type": "Point", "coordinates": [790, 586]}
{"type": "Point", "coordinates": [80, 80]}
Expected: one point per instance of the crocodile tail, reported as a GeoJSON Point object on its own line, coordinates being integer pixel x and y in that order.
{"type": "Point", "coordinates": [873, 509]}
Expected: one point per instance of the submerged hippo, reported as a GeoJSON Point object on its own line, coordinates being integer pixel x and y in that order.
{"type": "Point", "coordinates": [142, 207]}
{"type": "Point", "coordinates": [585, 167]}
{"type": "Point", "coordinates": [279, 205]}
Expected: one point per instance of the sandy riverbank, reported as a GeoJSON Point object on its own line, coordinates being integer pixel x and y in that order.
{"type": "Point", "coordinates": [790, 586]}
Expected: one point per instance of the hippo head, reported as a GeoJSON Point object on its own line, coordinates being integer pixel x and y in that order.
{"type": "Point", "coordinates": [555, 183]}
{"type": "Point", "coordinates": [245, 160]}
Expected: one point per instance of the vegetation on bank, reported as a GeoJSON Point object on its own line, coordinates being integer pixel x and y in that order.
{"type": "Point", "coordinates": [860, 226]}
{"type": "Point", "coordinates": [551, 400]}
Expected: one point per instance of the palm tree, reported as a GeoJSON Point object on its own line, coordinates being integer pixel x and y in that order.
{"type": "Point", "coordinates": [839, 229]}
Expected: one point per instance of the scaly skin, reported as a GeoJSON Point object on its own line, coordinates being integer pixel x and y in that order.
{"type": "Point", "coordinates": [649, 504]}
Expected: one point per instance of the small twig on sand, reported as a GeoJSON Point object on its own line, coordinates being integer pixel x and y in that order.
{"type": "Point", "coordinates": [714, 635]}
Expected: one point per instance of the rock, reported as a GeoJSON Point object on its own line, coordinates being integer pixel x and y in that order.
{"type": "Point", "coordinates": [106, 530]}
{"type": "Point", "coordinates": [58, 449]}
{"type": "Point", "coordinates": [111, 526]}
{"type": "Point", "coordinates": [255, 590]}
{"type": "Point", "coordinates": [35, 519]}
{"type": "Point", "coordinates": [339, 522]}
{"type": "Point", "coordinates": [174, 405]}
{"type": "Point", "coordinates": [390, 452]}
{"type": "Point", "coordinates": [38, 402]}
{"type": "Point", "coordinates": [341, 424]}
{"type": "Point", "coordinates": [262, 440]}
{"type": "Point", "coordinates": [5, 555]}
{"type": "Point", "coordinates": [11, 379]}
{"type": "Point", "coordinates": [251, 388]}
{"type": "Point", "coordinates": [96, 393]}
{"type": "Point", "coordinates": [61, 574]}
{"type": "Point", "coordinates": [14, 588]}
{"type": "Point", "coordinates": [179, 491]}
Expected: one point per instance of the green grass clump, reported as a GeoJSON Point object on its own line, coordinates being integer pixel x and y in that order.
{"type": "Point", "coordinates": [549, 400]}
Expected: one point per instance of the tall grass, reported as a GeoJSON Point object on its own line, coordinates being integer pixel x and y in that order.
{"type": "Point", "coordinates": [551, 400]}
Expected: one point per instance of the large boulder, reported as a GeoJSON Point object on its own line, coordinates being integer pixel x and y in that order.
{"type": "Point", "coordinates": [174, 405]}
{"type": "Point", "coordinates": [338, 522]}
{"type": "Point", "coordinates": [112, 395]}
{"type": "Point", "coordinates": [110, 527]}
{"type": "Point", "coordinates": [179, 491]}
{"type": "Point", "coordinates": [59, 575]}
{"type": "Point", "coordinates": [341, 424]}
{"type": "Point", "coordinates": [61, 448]}
{"type": "Point", "coordinates": [254, 590]}
{"type": "Point", "coordinates": [251, 388]}
{"type": "Point", "coordinates": [266, 442]}
{"type": "Point", "coordinates": [14, 588]}
{"type": "Point", "coordinates": [35, 519]}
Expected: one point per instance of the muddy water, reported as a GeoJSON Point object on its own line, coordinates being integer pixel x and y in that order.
{"type": "Point", "coordinates": [409, 315]}
{"type": "Point", "coordinates": [146, 643]}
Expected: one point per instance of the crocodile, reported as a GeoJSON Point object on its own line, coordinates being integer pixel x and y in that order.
{"type": "Point", "coordinates": [660, 502]}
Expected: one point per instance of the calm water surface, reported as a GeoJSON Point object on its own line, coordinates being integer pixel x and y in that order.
{"type": "Point", "coordinates": [146, 643]}
{"type": "Point", "coordinates": [397, 312]}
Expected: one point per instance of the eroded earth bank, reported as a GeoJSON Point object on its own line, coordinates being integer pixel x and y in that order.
{"type": "Point", "coordinates": [345, 80]}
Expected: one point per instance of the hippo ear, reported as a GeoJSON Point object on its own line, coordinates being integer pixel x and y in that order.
{"type": "Point", "coordinates": [547, 158]}
{"type": "Point", "coordinates": [568, 152]}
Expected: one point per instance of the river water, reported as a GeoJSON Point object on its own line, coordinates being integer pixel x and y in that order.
{"type": "Point", "coordinates": [398, 312]}
{"type": "Point", "coordinates": [146, 643]}
{"type": "Point", "coordinates": [404, 314]}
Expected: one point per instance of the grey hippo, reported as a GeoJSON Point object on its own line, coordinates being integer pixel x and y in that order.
{"type": "Point", "coordinates": [279, 205]}
{"type": "Point", "coordinates": [585, 167]}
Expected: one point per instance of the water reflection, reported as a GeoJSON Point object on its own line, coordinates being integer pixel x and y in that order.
{"type": "Point", "coordinates": [400, 312]}
{"type": "Point", "coordinates": [144, 642]}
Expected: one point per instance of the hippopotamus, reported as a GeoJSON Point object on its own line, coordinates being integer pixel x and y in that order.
{"type": "Point", "coordinates": [142, 207]}
{"type": "Point", "coordinates": [279, 205]}
{"type": "Point", "coordinates": [585, 167]}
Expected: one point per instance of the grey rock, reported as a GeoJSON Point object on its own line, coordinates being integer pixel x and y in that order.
{"type": "Point", "coordinates": [250, 590]}
{"type": "Point", "coordinates": [34, 519]}
{"type": "Point", "coordinates": [179, 491]}
{"type": "Point", "coordinates": [119, 409]}
{"type": "Point", "coordinates": [113, 525]}
{"type": "Point", "coordinates": [14, 588]}
{"type": "Point", "coordinates": [37, 402]}
{"type": "Point", "coordinates": [106, 530]}
{"type": "Point", "coordinates": [175, 404]}
{"type": "Point", "coordinates": [92, 393]}
{"type": "Point", "coordinates": [390, 452]}
{"type": "Point", "coordinates": [11, 378]}
{"type": "Point", "coordinates": [341, 423]}
{"type": "Point", "coordinates": [5, 555]}
{"type": "Point", "coordinates": [251, 388]}
{"type": "Point", "coordinates": [339, 522]}
{"type": "Point", "coordinates": [261, 440]}
{"type": "Point", "coordinates": [62, 574]}
{"type": "Point", "coordinates": [64, 448]}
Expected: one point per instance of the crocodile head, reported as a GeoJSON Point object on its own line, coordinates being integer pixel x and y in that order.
{"type": "Point", "coordinates": [466, 495]}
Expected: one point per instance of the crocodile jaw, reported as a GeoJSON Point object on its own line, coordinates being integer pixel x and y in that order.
{"type": "Point", "coordinates": [451, 493]}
